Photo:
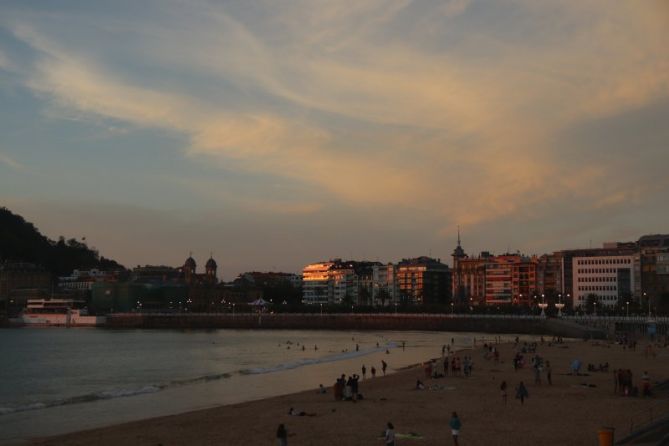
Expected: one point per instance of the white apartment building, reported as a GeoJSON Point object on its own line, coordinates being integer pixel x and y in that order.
{"type": "Point", "coordinates": [316, 284]}
{"type": "Point", "coordinates": [608, 277]}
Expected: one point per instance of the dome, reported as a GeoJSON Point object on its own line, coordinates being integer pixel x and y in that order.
{"type": "Point", "coordinates": [459, 252]}
{"type": "Point", "coordinates": [190, 263]}
{"type": "Point", "coordinates": [211, 263]}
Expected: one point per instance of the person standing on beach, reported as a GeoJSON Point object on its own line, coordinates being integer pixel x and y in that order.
{"type": "Point", "coordinates": [389, 435]}
{"type": "Point", "coordinates": [373, 372]}
{"type": "Point", "coordinates": [282, 436]}
{"type": "Point", "coordinates": [364, 372]}
{"type": "Point", "coordinates": [455, 426]}
{"type": "Point", "coordinates": [502, 389]}
{"type": "Point", "coordinates": [521, 393]}
{"type": "Point", "coordinates": [384, 366]}
{"type": "Point", "coordinates": [549, 373]}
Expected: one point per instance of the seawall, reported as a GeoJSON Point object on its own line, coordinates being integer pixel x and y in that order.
{"type": "Point", "coordinates": [417, 322]}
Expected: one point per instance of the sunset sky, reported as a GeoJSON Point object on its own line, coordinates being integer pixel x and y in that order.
{"type": "Point", "coordinates": [276, 133]}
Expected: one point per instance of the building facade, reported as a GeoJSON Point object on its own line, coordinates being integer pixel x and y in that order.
{"type": "Point", "coordinates": [608, 277]}
{"type": "Point", "coordinates": [424, 280]}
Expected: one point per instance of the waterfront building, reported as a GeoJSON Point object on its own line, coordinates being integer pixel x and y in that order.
{"type": "Point", "coordinates": [510, 279]}
{"type": "Point", "coordinates": [83, 280]}
{"type": "Point", "coordinates": [608, 277]}
{"type": "Point", "coordinates": [654, 255]}
{"type": "Point", "coordinates": [316, 284]}
{"type": "Point", "coordinates": [424, 280]}
{"type": "Point", "coordinates": [549, 277]}
{"type": "Point", "coordinates": [570, 287]}
{"type": "Point", "coordinates": [385, 289]}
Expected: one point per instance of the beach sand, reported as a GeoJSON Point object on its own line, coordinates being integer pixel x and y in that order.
{"type": "Point", "coordinates": [566, 413]}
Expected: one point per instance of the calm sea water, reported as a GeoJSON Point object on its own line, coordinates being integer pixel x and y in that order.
{"type": "Point", "coordinates": [57, 380]}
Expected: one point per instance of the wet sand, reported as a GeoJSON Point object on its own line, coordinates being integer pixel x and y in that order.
{"type": "Point", "coordinates": [570, 412]}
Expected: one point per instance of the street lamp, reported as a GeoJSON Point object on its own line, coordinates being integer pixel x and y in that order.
{"type": "Point", "coordinates": [395, 307]}
{"type": "Point", "coordinates": [321, 309]}
{"type": "Point", "coordinates": [452, 308]}
{"type": "Point", "coordinates": [594, 306]}
{"type": "Point", "coordinates": [628, 308]}
{"type": "Point", "coordinates": [233, 310]}
{"type": "Point", "coordinates": [543, 306]}
{"type": "Point", "coordinates": [559, 305]}
{"type": "Point", "coordinates": [645, 297]}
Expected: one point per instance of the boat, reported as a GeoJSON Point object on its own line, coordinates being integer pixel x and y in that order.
{"type": "Point", "coordinates": [59, 313]}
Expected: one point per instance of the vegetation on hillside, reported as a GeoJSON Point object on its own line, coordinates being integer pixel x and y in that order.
{"type": "Point", "coordinates": [20, 241]}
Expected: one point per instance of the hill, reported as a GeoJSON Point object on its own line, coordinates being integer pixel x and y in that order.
{"type": "Point", "coordinates": [20, 241]}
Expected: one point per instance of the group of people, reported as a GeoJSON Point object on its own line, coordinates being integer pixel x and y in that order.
{"type": "Point", "coordinates": [346, 389]}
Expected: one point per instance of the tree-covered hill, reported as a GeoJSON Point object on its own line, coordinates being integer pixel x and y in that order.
{"type": "Point", "coordinates": [20, 241]}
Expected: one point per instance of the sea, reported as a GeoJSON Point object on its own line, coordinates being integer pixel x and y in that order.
{"type": "Point", "coordinates": [59, 380]}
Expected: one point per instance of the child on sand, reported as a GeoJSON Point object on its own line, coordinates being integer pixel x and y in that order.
{"type": "Point", "coordinates": [455, 425]}
{"type": "Point", "coordinates": [389, 436]}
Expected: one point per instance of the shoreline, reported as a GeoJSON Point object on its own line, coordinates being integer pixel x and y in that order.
{"type": "Point", "coordinates": [569, 412]}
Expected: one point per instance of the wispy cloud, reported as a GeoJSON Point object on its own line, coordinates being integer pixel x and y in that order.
{"type": "Point", "coordinates": [430, 107]}
{"type": "Point", "coordinates": [11, 162]}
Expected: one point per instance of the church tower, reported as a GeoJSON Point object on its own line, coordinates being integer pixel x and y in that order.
{"type": "Point", "coordinates": [458, 284]}
{"type": "Point", "coordinates": [189, 269]}
{"type": "Point", "coordinates": [210, 270]}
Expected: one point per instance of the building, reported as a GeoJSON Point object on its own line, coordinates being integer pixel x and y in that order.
{"type": "Point", "coordinates": [191, 277]}
{"type": "Point", "coordinates": [510, 279]}
{"type": "Point", "coordinates": [83, 280]}
{"type": "Point", "coordinates": [385, 289]}
{"type": "Point", "coordinates": [424, 280]}
{"type": "Point", "coordinates": [549, 277]}
{"type": "Point", "coordinates": [608, 277]}
{"type": "Point", "coordinates": [570, 288]}
{"type": "Point", "coordinates": [22, 275]}
{"type": "Point", "coordinates": [654, 260]}
{"type": "Point", "coordinates": [316, 284]}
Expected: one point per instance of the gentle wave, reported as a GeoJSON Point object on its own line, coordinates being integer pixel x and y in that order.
{"type": "Point", "coordinates": [153, 388]}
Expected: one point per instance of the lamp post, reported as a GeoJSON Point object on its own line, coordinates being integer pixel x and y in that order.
{"type": "Point", "coordinates": [395, 307]}
{"type": "Point", "coordinates": [452, 308]}
{"type": "Point", "coordinates": [321, 309]}
{"type": "Point", "coordinates": [543, 305]}
{"type": "Point", "coordinates": [628, 308]}
{"type": "Point", "coordinates": [645, 296]}
{"type": "Point", "coordinates": [233, 310]}
{"type": "Point", "coordinates": [559, 305]}
{"type": "Point", "coordinates": [594, 307]}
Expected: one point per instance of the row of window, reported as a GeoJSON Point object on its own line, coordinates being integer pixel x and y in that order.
{"type": "Point", "coordinates": [597, 270]}
{"type": "Point", "coordinates": [604, 261]}
{"type": "Point", "coordinates": [597, 288]}
{"type": "Point", "coordinates": [597, 279]}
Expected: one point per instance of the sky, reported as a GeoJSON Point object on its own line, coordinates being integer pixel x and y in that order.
{"type": "Point", "coordinates": [275, 133]}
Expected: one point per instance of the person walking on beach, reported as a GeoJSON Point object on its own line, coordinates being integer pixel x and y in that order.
{"type": "Point", "coordinates": [455, 426]}
{"type": "Point", "coordinates": [384, 366]}
{"type": "Point", "coordinates": [373, 372]}
{"type": "Point", "coordinates": [502, 389]}
{"type": "Point", "coordinates": [282, 436]}
{"type": "Point", "coordinates": [364, 372]}
{"type": "Point", "coordinates": [521, 393]}
{"type": "Point", "coordinates": [389, 435]}
{"type": "Point", "coordinates": [549, 373]}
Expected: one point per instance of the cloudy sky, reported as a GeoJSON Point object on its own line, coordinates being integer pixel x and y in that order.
{"type": "Point", "coordinates": [274, 132]}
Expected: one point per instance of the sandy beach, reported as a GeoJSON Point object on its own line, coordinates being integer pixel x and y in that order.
{"type": "Point", "coordinates": [568, 412]}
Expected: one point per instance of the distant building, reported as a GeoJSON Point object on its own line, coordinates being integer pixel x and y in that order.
{"type": "Point", "coordinates": [570, 288]}
{"type": "Point", "coordinates": [385, 289]}
{"type": "Point", "coordinates": [510, 279]}
{"type": "Point", "coordinates": [83, 280]}
{"type": "Point", "coordinates": [316, 283]}
{"type": "Point", "coordinates": [424, 280]}
{"type": "Point", "coordinates": [654, 259]}
{"type": "Point", "coordinates": [21, 281]}
{"type": "Point", "coordinates": [608, 277]}
{"type": "Point", "coordinates": [191, 277]}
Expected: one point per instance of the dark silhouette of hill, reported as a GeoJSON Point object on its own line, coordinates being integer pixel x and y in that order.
{"type": "Point", "coordinates": [20, 241]}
